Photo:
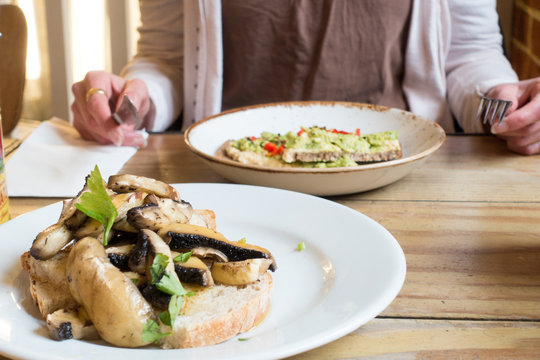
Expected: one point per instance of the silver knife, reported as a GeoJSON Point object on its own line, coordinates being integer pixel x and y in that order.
{"type": "Point", "coordinates": [127, 113]}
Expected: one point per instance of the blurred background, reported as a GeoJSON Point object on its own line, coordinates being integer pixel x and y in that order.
{"type": "Point", "coordinates": [67, 38]}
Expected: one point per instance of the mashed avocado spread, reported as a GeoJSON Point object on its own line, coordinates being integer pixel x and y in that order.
{"type": "Point", "coordinates": [338, 148]}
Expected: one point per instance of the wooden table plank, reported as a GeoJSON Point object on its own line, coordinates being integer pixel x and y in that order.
{"type": "Point", "coordinates": [166, 158]}
{"type": "Point", "coordinates": [20, 206]}
{"type": "Point", "coordinates": [464, 260]}
{"type": "Point", "coordinates": [433, 339]}
{"type": "Point", "coordinates": [464, 170]}
{"type": "Point", "coordinates": [466, 174]}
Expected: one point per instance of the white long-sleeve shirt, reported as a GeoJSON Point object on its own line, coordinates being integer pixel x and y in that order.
{"type": "Point", "coordinates": [454, 52]}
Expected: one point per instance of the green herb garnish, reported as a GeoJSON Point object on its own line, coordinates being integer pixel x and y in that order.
{"type": "Point", "coordinates": [97, 204]}
{"type": "Point", "coordinates": [175, 305]}
{"type": "Point", "coordinates": [170, 285]}
{"type": "Point", "coordinates": [158, 267]}
{"type": "Point", "coordinates": [301, 246]}
{"type": "Point", "coordinates": [167, 283]}
{"type": "Point", "coordinates": [243, 339]}
{"type": "Point", "coordinates": [152, 332]}
{"type": "Point", "coordinates": [183, 257]}
{"type": "Point", "coordinates": [135, 281]}
{"type": "Point", "coordinates": [242, 240]}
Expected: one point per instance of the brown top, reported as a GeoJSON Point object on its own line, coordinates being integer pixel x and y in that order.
{"type": "Point", "coordinates": [284, 50]}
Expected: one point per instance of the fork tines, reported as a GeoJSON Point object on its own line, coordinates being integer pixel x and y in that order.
{"type": "Point", "coordinates": [491, 110]}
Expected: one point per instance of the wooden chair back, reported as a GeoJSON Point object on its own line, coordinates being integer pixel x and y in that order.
{"type": "Point", "coordinates": [13, 48]}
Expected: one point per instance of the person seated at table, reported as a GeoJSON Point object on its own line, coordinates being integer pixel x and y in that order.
{"type": "Point", "coordinates": [197, 58]}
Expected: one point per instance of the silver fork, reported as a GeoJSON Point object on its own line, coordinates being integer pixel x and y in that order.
{"type": "Point", "coordinates": [491, 110]}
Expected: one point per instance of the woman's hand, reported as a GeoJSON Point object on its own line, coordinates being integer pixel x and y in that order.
{"type": "Point", "coordinates": [521, 127]}
{"type": "Point", "coordinates": [93, 109]}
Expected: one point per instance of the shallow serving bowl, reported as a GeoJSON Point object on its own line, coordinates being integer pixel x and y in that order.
{"type": "Point", "coordinates": [419, 137]}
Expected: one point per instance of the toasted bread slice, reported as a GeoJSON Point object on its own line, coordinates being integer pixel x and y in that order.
{"type": "Point", "coordinates": [391, 150]}
{"type": "Point", "coordinates": [319, 149]}
{"type": "Point", "coordinates": [218, 313]}
{"type": "Point", "coordinates": [206, 218]}
{"type": "Point", "coordinates": [227, 150]}
{"type": "Point", "coordinates": [48, 284]}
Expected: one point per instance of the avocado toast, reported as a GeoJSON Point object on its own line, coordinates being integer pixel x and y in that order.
{"type": "Point", "coordinates": [314, 147]}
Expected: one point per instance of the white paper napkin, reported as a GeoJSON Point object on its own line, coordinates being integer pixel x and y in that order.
{"type": "Point", "coordinates": [54, 161]}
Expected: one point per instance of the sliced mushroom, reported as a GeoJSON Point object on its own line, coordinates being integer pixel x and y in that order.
{"type": "Point", "coordinates": [126, 201]}
{"type": "Point", "coordinates": [138, 255]}
{"type": "Point", "coordinates": [155, 246]}
{"type": "Point", "coordinates": [65, 324]}
{"type": "Point", "coordinates": [209, 253]}
{"type": "Point", "coordinates": [91, 227]}
{"type": "Point", "coordinates": [240, 272]}
{"type": "Point", "coordinates": [122, 202]}
{"type": "Point", "coordinates": [114, 304]}
{"type": "Point", "coordinates": [138, 279]}
{"type": "Point", "coordinates": [129, 183]}
{"type": "Point", "coordinates": [156, 297]}
{"type": "Point", "coordinates": [68, 206]}
{"type": "Point", "coordinates": [193, 271]}
{"type": "Point", "coordinates": [159, 213]}
{"type": "Point", "coordinates": [124, 226]}
{"type": "Point", "coordinates": [119, 255]}
{"type": "Point", "coordinates": [188, 236]}
{"type": "Point", "coordinates": [51, 240]}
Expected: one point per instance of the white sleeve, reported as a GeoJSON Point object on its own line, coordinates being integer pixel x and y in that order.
{"type": "Point", "coordinates": [159, 58]}
{"type": "Point", "coordinates": [475, 61]}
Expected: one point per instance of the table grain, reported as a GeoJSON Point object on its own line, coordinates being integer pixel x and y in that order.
{"type": "Point", "coordinates": [468, 220]}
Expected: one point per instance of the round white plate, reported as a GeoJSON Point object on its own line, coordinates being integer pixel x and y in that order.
{"type": "Point", "coordinates": [419, 137]}
{"type": "Point", "coordinates": [351, 270]}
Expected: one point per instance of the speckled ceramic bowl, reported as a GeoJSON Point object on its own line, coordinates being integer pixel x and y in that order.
{"type": "Point", "coordinates": [419, 137]}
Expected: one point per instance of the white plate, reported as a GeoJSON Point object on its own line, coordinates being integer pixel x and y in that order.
{"type": "Point", "coordinates": [351, 270]}
{"type": "Point", "coordinates": [419, 137]}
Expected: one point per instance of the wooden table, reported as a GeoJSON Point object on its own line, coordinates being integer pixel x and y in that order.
{"type": "Point", "coordinates": [468, 221]}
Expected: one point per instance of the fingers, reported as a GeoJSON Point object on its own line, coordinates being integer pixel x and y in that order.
{"type": "Point", "coordinates": [80, 126]}
{"type": "Point", "coordinates": [520, 118]}
{"type": "Point", "coordinates": [96, 97]}
{"type": "Point", "coordinates": [133, 138]}
{"type": "Point", "coordinates": [137, 91]}
{"type": "Point", "coordinates": [531, 149]}
{"type": "Point", "coordinates": [91, 109]}
{"type": "Point", "coordinates": [521, 128]}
